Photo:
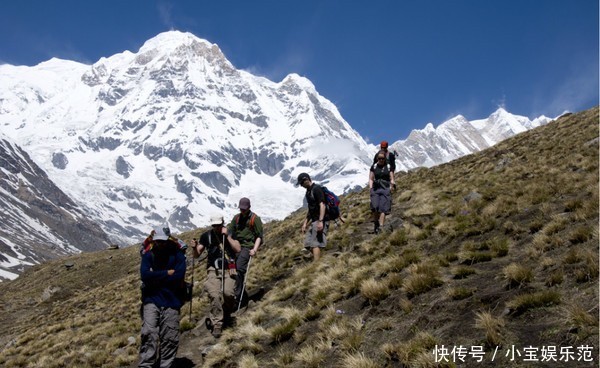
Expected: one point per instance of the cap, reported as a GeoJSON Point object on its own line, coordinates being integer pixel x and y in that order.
{"type": "Point", "coordinates": [161, 233]}
{"type": "Point", "coordinates": [302, 177]}
{"type": "Point", "coordinates": [216, 220]}
{"type": "Point", "coordinates": [244, 204]}
{"type": "Point", "coordinates": [384, 144]}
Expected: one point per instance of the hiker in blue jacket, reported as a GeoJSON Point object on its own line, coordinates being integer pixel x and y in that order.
{"type": "Point", "coordinates": [162, 271]}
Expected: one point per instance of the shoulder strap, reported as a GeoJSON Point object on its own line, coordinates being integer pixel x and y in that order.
{"type": "Point", "coordinates": [250, 221]}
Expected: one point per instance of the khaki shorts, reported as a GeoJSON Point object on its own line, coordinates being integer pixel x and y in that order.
{"type": "Point", "coordinates": [316, 239]}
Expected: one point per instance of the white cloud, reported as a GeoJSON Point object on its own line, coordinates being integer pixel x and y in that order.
{"type": "Point", "coordinates": [165, 11]}
{"type": "Point", "coordinates": [576, 91]}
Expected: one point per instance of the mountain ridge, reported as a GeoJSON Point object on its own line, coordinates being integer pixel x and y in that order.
{"type": "Point", "coordinates": [173, 132]}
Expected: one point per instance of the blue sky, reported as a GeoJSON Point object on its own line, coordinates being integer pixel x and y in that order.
{"type": "Point", "coordinates": [390, 66]}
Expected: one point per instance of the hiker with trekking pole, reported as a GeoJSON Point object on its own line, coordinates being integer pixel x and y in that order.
{"type": "Point", "coordinates": [221, 274]}
{"type": "Point", "coordinates": [246, 232]}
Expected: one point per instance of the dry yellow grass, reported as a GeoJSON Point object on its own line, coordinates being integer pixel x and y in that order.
{"type": "Point", "coordinates": [539, 211]}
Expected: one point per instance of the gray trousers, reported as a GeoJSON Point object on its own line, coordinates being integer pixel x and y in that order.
{"type": "Point", "coordinates": [160, 336]}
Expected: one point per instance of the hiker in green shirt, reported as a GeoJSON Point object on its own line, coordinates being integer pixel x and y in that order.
{"type": "Point", "coordinates": [246, 232]}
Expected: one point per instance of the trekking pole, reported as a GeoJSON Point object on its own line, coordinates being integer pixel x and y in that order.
{"type": "Point", "coordinates": [192, 298]}
{"type": "Point", "coordinates": [223, 269]}
{"type": "Point", "coordinates": [244, 284]}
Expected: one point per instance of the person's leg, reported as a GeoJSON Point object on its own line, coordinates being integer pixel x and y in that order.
{"type": "Point", "coordinates": [316, 252]}
{"type": "Point", "coordinates": [374, 210]}
{"type": "Point", "coordinates": [169, 336]}
{"type": "Point", "coordinates": [229, 305]}
{"type": "Point", "coordinates": [150, 336]}
{"type": "Point", "coordinates": [381, 219]}
{"type": "Point", "coordinates": [212, 287]}
{"type": "Point", "coordinates": [241, 263]}
{"type": "Point", "coordinates": [386, 205]}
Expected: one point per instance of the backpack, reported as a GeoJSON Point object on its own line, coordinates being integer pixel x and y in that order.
{"type": "Point", "coordinates": [332, 205]}
{"type": "Point", "coordinates": [250, 222]}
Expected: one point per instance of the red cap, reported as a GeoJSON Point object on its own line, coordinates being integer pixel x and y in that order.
{"type": "Point", "coordinates": [384, 144]}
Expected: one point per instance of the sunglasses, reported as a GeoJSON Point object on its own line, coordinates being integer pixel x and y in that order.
{"type": "Point", "coordinates": [381, 158]}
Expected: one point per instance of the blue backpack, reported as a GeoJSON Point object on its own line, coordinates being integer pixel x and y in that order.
{"type": "Point", "coordinates": [332, 203]}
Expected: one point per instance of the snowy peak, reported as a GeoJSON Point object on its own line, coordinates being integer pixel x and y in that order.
{"type": "Point", "coordinates": [458, 136]}
{"type": "Point", "coordinates": [175, 132]}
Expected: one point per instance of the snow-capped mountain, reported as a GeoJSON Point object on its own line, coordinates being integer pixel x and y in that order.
{"type": "Point", "coordinates": [458, 137]}
{"type": "Point", "coordinates": [39, 221]}
{"type": "Point", "coordinates": [174, 132]}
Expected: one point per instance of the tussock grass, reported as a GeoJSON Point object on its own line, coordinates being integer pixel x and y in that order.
{"type": "Point", "coordinates": [284, 357]}
{"type": "Point", "coordinates": [421, 278]}
{"type": "Point", "coordinates": [310, 356]}
{"type": "Point", "coordinates": [285, 330]}
{"type": "Point", "coordinates": [408, 352]}
{"type": "Point", "coordinates": [517, 275]}
{"type": "Point", "coordinates": [459, 293]}
{"type": "Point", "coordinates": [358, 360]}
{"type": "Point", "coordinates": [577, 316]}
{"type": "Point", "coordinates": [462, 272]}
{"type": "Point", "coordinates": [398, 238]}
{"type": "Point", "coordinates": [492, 327]}
{"type": "Point", "coordinates": [555, 278]}
{"type": "Point", "coordinates": [374, 290]}
{"type": "Point", "coordinates": [248, 361]}
{"type": "Point", "coordinates": [538, 299]}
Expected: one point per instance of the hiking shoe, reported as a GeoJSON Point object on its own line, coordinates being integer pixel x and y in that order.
{"type": "Point", "coordinates": [216, 332]}
{"type": "Point", "coordinates": [208, 324]}
{"type": "Point", "coordinates": [376, 229]}
{"type": "Point", "coordinates": [256, 296]}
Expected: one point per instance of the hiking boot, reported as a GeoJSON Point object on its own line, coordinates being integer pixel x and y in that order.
{"type": "Point", "coordinates": [216, 332]}
{"type": "Point", "coordinates": [256, 296]}
{"type": "Point", "coordinates": [208, 324]}
{"type": "Point", "coordinates": [376, 227]}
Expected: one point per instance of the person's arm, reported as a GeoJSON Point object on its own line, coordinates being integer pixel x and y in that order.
{"type": "Point", "coordinates": [371, 179]}
{"type": "Point", "coordinates": [198, 247]}
{"type": "Point", "coordinates": [233, 244]}
{"type": "Point", "coordinates": [305, 222]}
{"type": "Point", "coordinates": [148, 275]}
{"type": "Point", "coordinates": [180, 266]}
{"type": "Point", "coordinates": [392, 162]}
{"type": "Point", "coordinates": [258, 229]}
{"type": "Point", "coordinates": [230, 233]}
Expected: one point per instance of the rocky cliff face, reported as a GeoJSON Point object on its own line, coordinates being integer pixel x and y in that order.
{"type": "Point", "coordinates": [39, 221]}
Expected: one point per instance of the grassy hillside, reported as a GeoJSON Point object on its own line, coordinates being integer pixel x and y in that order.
{"type": "Point", "coordinates": [497, 250]}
